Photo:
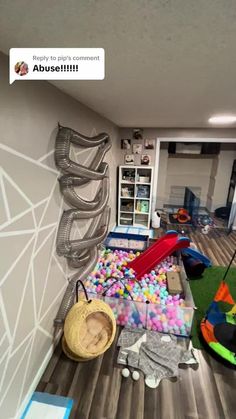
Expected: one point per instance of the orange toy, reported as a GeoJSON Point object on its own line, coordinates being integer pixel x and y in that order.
{"type": "Point", "coordinates": [182, 216]}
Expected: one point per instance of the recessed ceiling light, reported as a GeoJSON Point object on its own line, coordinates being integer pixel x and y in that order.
{"type": "Point", "coordinates": [222, 119]}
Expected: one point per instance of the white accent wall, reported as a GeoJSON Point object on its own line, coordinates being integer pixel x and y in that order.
{"type": "Point", "coordinates": [32, 277]}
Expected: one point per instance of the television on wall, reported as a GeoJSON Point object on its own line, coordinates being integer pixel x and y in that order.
{"type": "Point", "coordinates": [191, 202]}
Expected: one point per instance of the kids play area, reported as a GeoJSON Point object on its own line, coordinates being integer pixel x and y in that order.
{"type": "Point", "coordinates": [118, 213]}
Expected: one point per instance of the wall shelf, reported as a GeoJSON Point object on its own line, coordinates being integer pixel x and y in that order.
{"type": "Point", "coordinates": [137, 207]}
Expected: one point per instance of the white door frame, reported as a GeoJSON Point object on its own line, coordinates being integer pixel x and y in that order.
{"type": "Point", "coordinates": [232, 212]}
{"type": "Point", "coordinates": [186, 140]}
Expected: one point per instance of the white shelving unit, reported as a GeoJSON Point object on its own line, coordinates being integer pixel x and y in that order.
{"type": "Point", "coordinates": [135, 196]}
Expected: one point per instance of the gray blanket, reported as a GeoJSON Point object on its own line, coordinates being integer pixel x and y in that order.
{"type": "Point", "coordinates": [155, 354]}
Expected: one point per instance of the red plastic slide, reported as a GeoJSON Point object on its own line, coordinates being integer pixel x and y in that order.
{"type": "Point", "coordinates": [164, 247]}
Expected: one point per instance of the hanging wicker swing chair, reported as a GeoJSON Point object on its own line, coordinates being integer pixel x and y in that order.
{"type": "Point", "coordinates": [89, 328]}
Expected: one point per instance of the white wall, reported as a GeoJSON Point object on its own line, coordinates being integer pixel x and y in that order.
{"type": "Point", "coordinates": [212, 182]}
{"type": "Point", "coordinates": [222, 178]}
{"type": "Point", "coordinates": [190, 172]}
{"type": "Point", "coordinates": [211, 174]}
{"type": "Point", "coordinates": [232, 218]}
{"type": "Point", "coordinates": [32, 278]}
{"type": "Point", "coordinates": [162, 173]}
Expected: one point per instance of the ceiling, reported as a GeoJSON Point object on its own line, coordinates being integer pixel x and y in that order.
{"type": "Point", "coordinates": [169, 63]}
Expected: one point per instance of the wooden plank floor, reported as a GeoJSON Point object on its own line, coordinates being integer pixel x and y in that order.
{"type": "Point", "coordinates": [100, 392]}
{"type": "Point", "coordinates": [217, 244]}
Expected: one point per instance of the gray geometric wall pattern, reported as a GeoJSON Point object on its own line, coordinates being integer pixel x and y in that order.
{"type": "Point", "coordinates": [33, 278]}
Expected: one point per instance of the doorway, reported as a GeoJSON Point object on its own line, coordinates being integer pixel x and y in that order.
{"type": "Point", "coordinates": [222, 188]}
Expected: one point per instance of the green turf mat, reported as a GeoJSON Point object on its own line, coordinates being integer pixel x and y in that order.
{"type": "Point", "coordinates": [203, 292]}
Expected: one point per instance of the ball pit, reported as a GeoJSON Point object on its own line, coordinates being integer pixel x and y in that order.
{"type": "Point", "coordinates": [152, 307]}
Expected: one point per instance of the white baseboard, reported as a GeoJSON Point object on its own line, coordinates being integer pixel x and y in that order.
{"type": "Point", "coordinates": [37, 378]}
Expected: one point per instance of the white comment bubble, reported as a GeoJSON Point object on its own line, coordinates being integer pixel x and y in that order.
{"type": "Point", "coordinates": [56, 64]}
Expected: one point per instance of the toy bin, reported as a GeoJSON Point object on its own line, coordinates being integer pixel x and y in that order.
{"type": "Point", "coordinates": [170, 313]}
{"type": "Point", "coordinates": [126, 241]}
{"type": "Point", "coordinates": [172, 319]}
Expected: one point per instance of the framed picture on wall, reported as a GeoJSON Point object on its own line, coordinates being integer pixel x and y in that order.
{"type": "Point", "coordinates": [126, 144]}
{"type": "Point", "coordinates": [129, 159]}
{"type": "Point", "coordinates": [149, 144]}
{"type": "Point", "coordinates": [137, 134]}
{"type": "Point", "coordinates": [145, 159]}
{"type": "Point", "coordinates": [137, 148]}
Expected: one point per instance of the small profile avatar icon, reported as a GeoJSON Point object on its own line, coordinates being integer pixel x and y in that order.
{"type": "Point", "coordinates": [21, 68]}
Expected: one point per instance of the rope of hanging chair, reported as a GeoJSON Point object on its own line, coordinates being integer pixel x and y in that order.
{"type": "Point", "coordinates": [230, 263]}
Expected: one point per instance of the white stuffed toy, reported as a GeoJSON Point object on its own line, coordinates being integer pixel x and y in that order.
{"type": "Point", "coordinates": [206, 229]}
